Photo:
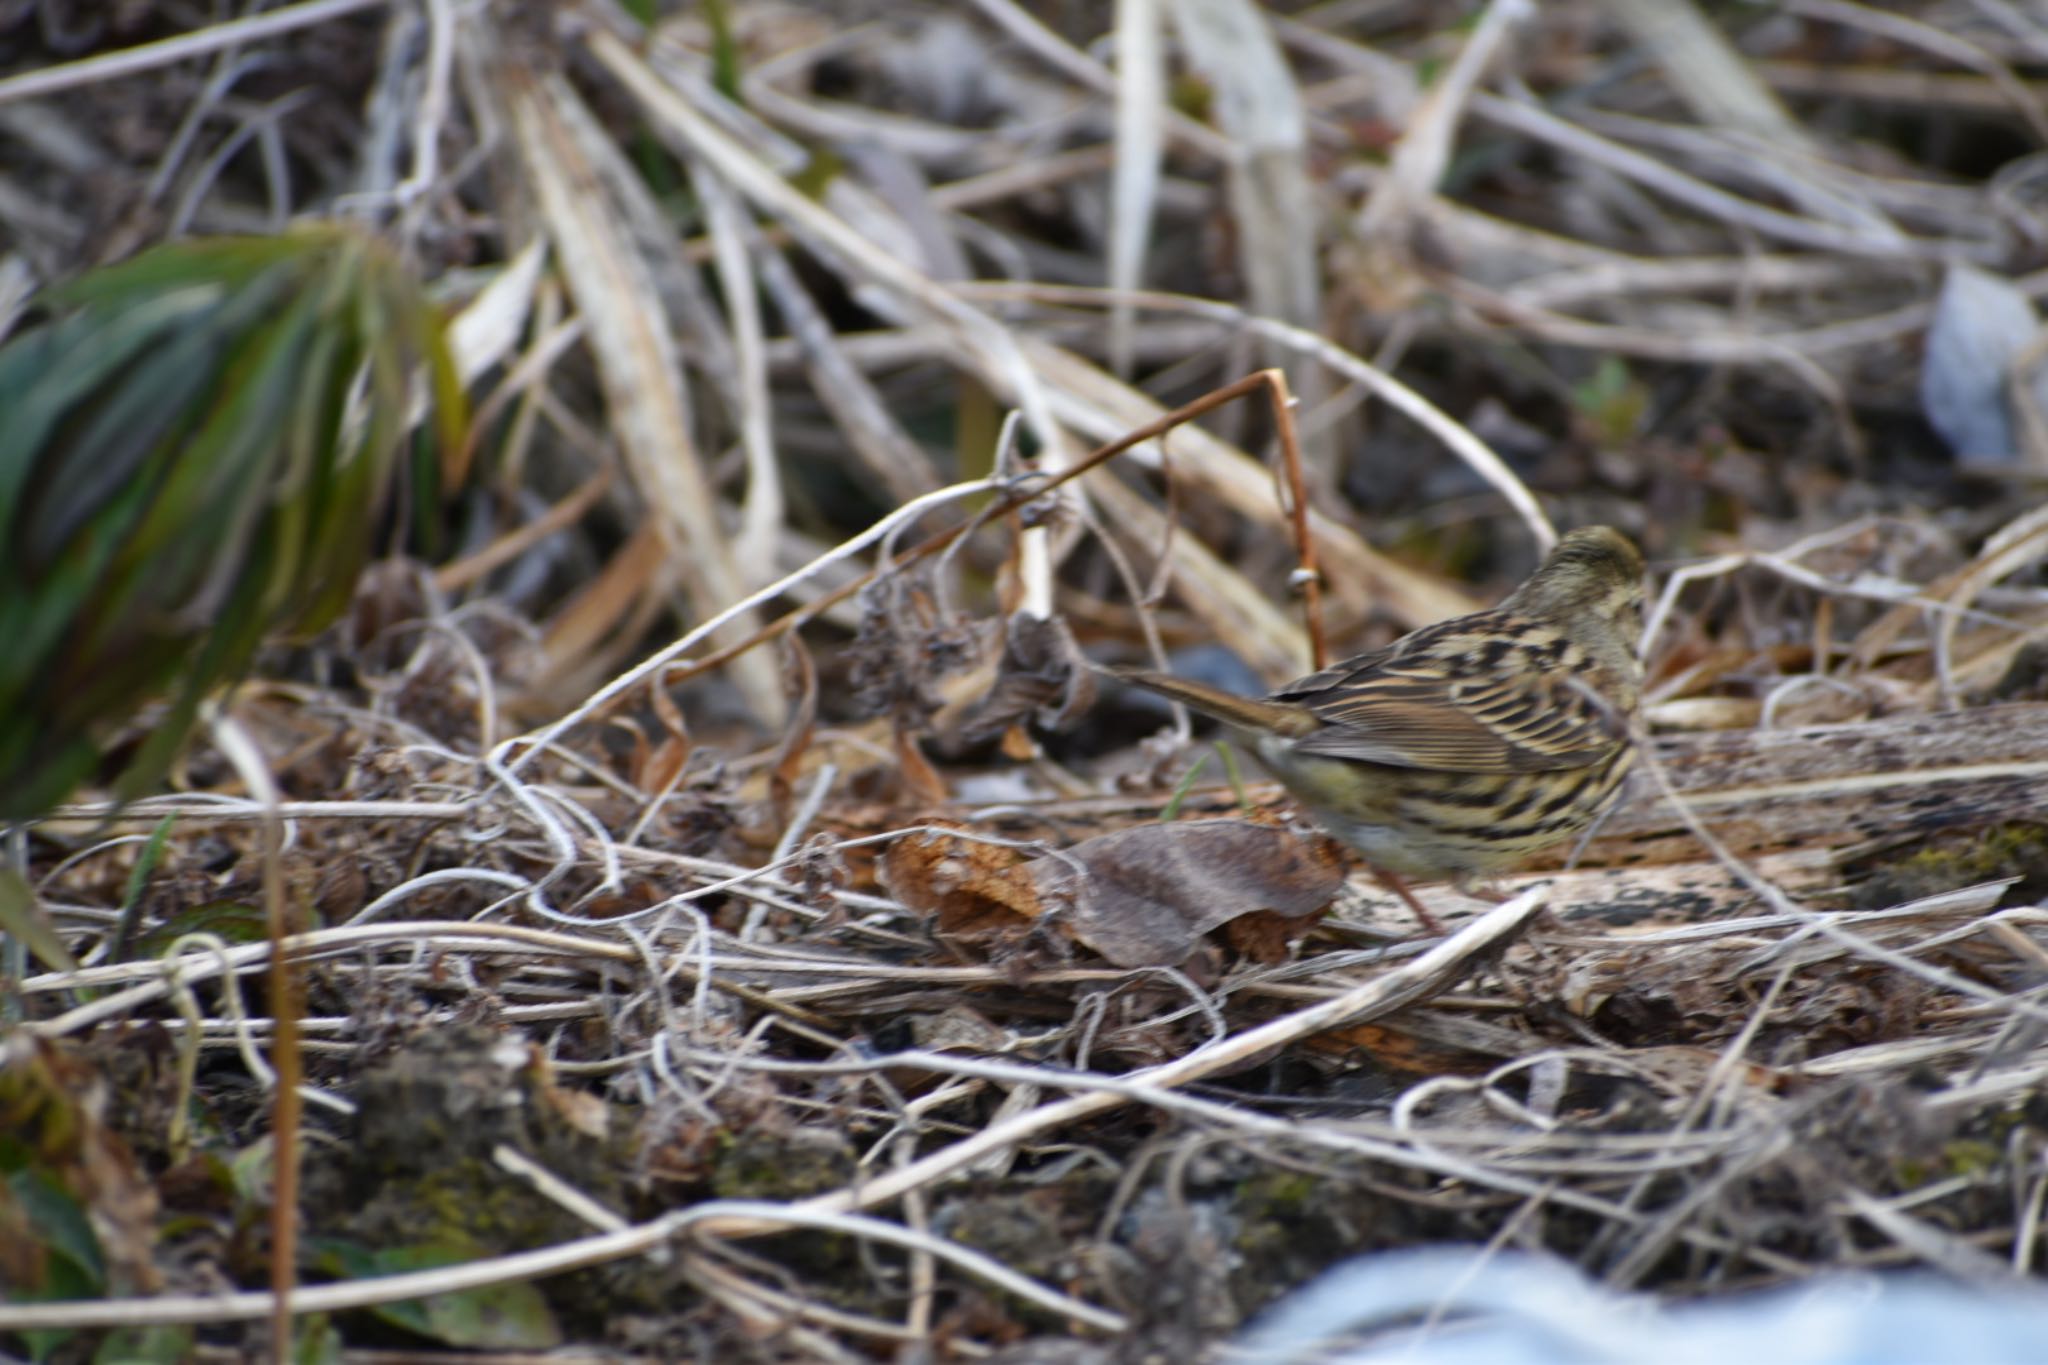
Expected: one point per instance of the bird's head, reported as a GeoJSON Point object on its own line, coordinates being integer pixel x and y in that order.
{"type": "Point", "coordinates": [1594, 572]}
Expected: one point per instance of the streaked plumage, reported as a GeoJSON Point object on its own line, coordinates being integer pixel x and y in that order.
{"type": "Point", "coordinates": [1462, 748]}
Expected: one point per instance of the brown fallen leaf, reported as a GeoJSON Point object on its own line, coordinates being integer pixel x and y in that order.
{"type": "Point", "coordinates": [972, 888]}
{"type": "Point", "coordinates": [1145, 896]}
{"type": "Point", "coordinates": [800, 677]}
{"type": "Point", "coordinates": [1141, 897]}
{"type": "Point", "coordinates": [1262, 936]}
{"type": "Point", "coordinates": [1040, 678]}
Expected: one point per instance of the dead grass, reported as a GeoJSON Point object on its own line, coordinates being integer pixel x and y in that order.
{"type": "Point", "coordinates": [605, 999]}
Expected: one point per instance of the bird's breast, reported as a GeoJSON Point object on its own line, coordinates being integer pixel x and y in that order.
{"type": "Point", "coordinates": [1433, 823]}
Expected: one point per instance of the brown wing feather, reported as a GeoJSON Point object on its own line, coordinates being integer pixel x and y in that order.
{"type": "Point", "coordinates": [1475, 698]}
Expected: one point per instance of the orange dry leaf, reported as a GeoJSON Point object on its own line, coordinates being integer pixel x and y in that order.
{"type": "Point", "coordinates": [974, 888]}
{"type": "Point", "coordinates": [663, 768]}
{"type": "Point", "coordinates": [1140, 897]}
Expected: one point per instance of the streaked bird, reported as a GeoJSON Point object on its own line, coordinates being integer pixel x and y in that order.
{"type": "Point", "coordinates": [1464, 747]}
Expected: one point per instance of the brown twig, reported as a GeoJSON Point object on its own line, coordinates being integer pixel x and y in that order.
{"type": "Point", "coordinates": [1272, 381]}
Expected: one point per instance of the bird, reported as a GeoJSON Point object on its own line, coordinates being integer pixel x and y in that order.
{"type": "Point", "coordinates": [1465, 746]}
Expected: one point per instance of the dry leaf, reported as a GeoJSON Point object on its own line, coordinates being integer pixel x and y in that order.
{"type": "Point", "coordinates": [1141, 897]}
{"type": "Point", "coordinates": [800, 676]}
{"type": "Point", "coordinates": [907, 642]}
{"type": "Point", "coordinates": [973, 888]}
{"type": "Point", "coordinates": [1261, 936]}
{"type": "Point", "coordinates": [917, 770]}
{"type": "Point", "coordinates": [582, 626]}
{"type": "Point", "coordinates": [1041, 677]}
{"type": "Point", "coordinates": [664, 767]}
{"type": "Point", "coordinates": [1145, 896]}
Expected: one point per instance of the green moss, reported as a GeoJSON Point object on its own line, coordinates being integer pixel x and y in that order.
{"type": "Point", "coordinates": [420, 1174]}
{"type": "Point", "coordinates": [792, 1163]}
{"type": "Point", "coordinates": [1958, 859]}
{"type": "Point", "coordinates": [1277, 1194]}
{"type": "Point", "coordinates": [1047, 1232]}
{"type": "Point", "coordinates": [1292, 1225]}
{"type": "Point", "coordinates": [1966, 1156]}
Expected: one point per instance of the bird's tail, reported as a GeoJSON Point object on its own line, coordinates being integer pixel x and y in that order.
{"type": "Point", "coordinates": [1245, 713]}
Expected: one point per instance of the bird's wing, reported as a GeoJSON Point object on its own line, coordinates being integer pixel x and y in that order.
{"type": "Point", "coordinates": [1470, 701]}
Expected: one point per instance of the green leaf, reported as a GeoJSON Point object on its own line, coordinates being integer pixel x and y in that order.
{"type": "Point", "coordinates": [196, 449]}
{"type": "Point", "coordinates": [316, 1342]}
{"type": "Point", "coordinates": [1171, 810]}
{"type": "Point", "coordinates": [145, 1346]}
{"type": "Point", "coordinates": [231, 920]}
{"type": "Point", "coordinates": [510, 1316]}
{"type": "Point", "coordinates": [145, 866]}
{"type": "Point", "coordinates": [123, 940]}
{"type": "Point", "coordinates": [251, 1169]}
{"type": "Point", "coordinates": [1613, 400]}
{"type": "Point", "coordinates": [725, 52]}
{"type": "Point", "coordinates": [22, 917]}
{"type": "Point", "coordinates": [60, 1226]}
{"type": "Point", "coordinates": [48, 369]}
{"type": "Point", "coordinates": [43, 1344]}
